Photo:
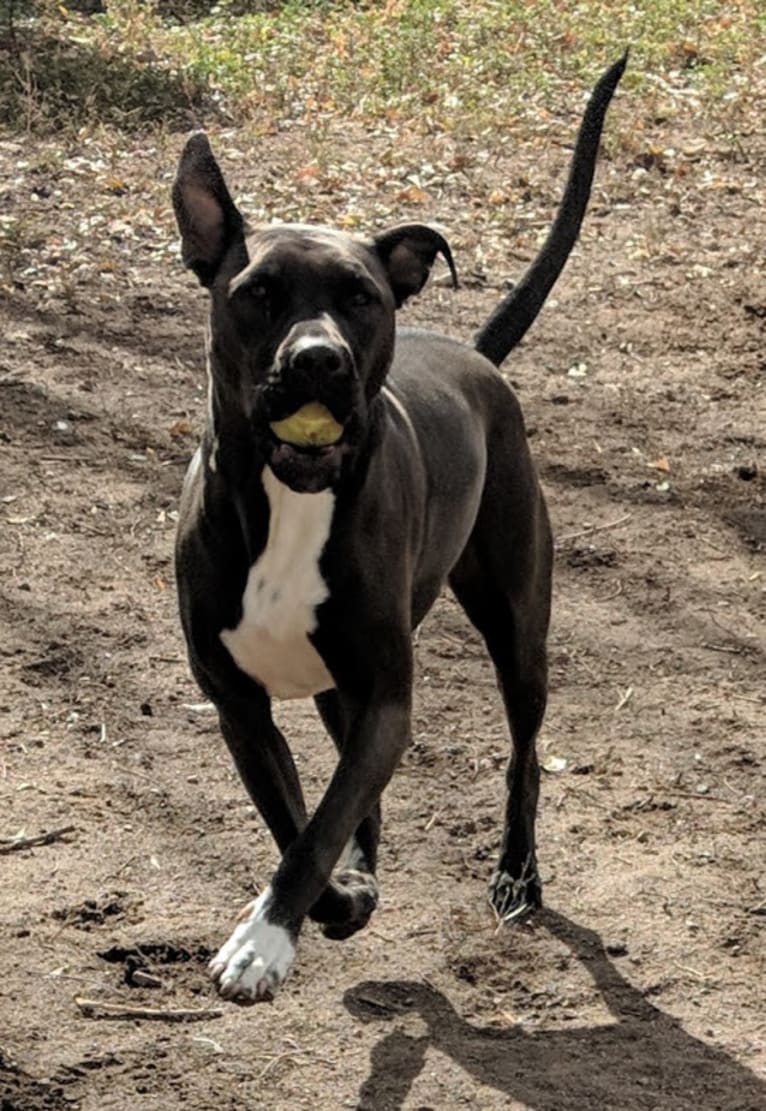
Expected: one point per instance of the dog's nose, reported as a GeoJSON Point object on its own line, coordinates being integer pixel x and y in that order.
{"type": "Point", "coordinates": [319, 359]}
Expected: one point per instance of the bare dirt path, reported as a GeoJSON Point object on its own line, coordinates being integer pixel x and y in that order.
{"type": "Point", "coordinates": [642, 987]}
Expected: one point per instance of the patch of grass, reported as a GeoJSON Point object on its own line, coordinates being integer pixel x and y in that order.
{"type": "Point", "coordinates": [466, 65]}
{"type": "Point", "coordinates": [59, 71]}
{"type": "Point", "coordinates": [459, 62]}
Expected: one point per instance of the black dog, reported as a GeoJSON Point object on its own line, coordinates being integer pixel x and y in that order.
{"type": "Point", "coordinates": [346, 472]}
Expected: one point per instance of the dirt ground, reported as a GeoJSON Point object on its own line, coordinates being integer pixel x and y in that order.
{"type": "Point", "coordinates": [642, 985]}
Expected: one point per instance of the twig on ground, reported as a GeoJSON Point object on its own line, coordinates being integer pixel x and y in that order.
{"type": "Point", "coordinates": [383, 937]}
{"type": "Point", "coordinates": [275, 1060]}
{"type": "Point", "coordinates": [700, 796]}
{"type": "Point", "coordinates": [611, 595]}
{"type": "Point", "coordinates": [731, 694]}
{"type": "Point", "coordinates": [700, 976]}
{"type": "Point", "coordinates": [214, 1045]}
{"type": "Point", "coordinates": [432, 821]}
{"type": "Point", "coordinates": [65, 459]}
{"type": "Point", "coordinates": [15, 844]}
{"type": "Point", "coordinates": [293, 1054]}
{"type": "Point", "coordinates": [593, 528]}
{"type": "Point", "coordinates": [624, 700]}
{"type": "Point", "coordinates": [94, 1008]}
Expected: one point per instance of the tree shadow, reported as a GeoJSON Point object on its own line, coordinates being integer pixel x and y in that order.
{"type": "Point", "coordinates": [643, 1061]}
{"type": "Point", "coordinates": [187, 11]}
{"type": "Point", "coordinates": [47, 83]}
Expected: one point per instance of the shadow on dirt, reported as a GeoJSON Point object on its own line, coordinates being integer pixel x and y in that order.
{"type": "Point", "coordinates": [33, 425]}
{"type": "Point", "coordinates": [645, 1055]}
{"type": "Point", "coordinates": [19, 1092]}
{"type": "Point", "coordinates": [143, 324]}
{"type": "Point", "coordinates": [48, 84]}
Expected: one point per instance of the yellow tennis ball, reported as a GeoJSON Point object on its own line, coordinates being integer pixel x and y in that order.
{"type": "Point", "coordinates": [311, 426]}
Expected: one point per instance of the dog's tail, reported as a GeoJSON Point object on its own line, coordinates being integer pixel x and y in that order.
{"type": "Point", "coordinates": [517, 311]}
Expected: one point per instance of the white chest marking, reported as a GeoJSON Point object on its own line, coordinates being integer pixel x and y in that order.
{"type": "Point", "coordinates": [284, 588]}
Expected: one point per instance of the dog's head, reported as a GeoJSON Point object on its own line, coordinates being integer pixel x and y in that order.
{"type": "Point", "coordinates": [302, 319]}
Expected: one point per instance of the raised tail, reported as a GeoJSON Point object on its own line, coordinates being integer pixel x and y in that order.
{"type": "Point", "coordinates": [517, 311]}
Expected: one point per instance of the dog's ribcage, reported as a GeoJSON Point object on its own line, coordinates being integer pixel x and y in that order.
{"type": "Point", "coordinates": [284, 588]}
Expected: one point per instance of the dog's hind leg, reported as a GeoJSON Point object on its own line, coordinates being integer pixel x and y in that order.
{"type": "Point", "coordinates": [347, 903]}
{"type": "Point", "coordinates": [502, 581]}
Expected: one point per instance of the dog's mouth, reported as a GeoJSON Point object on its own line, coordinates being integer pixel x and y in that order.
{"type": "Point", "coordinates": [307, 470]}
{"type": "Point", "coordinates": [307, 448]}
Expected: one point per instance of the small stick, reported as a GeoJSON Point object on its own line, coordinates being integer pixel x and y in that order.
{"type": "Point", "coordinates": [15, 844]}
{"type": "Point", "coordinates": [65, 459]}
{"type": "Point", "coordinates": [696, 796]}
{"type": "Point", "coordinates": [731, 694]}
{"type": "Point", "coordinates": [625, 699]}
{"type": "Point", "coordinates": [593, 528]}
{"type": "Point", "coordinates": [383, 937]}
{"type": "Point", "coordinates": [94, 1008]}
{"type": "Point", "coordinates": [614, 594]}
{"type": "Point", "coordinates": [289, 1055]}
{"type": "Point", "coordinates": [693, 972]}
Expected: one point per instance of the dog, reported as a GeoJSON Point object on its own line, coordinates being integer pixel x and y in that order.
{"type": "Point", "coordinates": [348, 470]}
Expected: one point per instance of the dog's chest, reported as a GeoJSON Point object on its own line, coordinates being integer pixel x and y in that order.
{"type": "Point", "coordinates": [284, 588]}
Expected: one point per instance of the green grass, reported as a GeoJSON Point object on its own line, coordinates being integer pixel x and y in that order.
{"type": "Point", "coordinates": [466, 65]}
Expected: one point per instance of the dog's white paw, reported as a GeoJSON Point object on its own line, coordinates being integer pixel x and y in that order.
{"type": "Point", "coordinates": [254, 962]}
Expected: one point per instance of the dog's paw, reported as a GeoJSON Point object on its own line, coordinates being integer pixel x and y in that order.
{"type": "Point", "coordinates": [354, 898]}
{"type": "Point", "coordinates": [253, 964]}
{"type": "Point", "coordinates": [514, 899]}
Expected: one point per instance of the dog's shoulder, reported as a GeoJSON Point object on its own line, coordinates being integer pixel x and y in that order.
{"type": "Point", "coordinates": [433, 361]}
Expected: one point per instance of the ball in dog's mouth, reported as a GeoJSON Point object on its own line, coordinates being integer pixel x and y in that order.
{"type": "Point", "coordinates": [308, 452]}
{"type": "Point", "coordinates": [313, 425]}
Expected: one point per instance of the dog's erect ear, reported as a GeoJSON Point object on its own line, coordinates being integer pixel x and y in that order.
{"type": "Point", "coordinates": [408, 253]}
{"type": "Point", "coordinates": [207, 217]}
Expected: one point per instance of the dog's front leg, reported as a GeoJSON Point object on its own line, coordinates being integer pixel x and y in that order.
{"type": "Point", "coordinates": [255, 959]}
{"type": "Point", "coordinates": [254, 962]}
{"type": "Point", "coordinates": [266, 768]}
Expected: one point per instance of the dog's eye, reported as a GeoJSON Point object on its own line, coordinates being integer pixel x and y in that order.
{"type": "Point", "coordinates": [359, 296]}
{"type": "Point", "coordinates": [258, 292]}
{"type": "Point", "coordinates": [262, 296]}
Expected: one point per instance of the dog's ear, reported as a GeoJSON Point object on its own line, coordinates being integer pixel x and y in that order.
{"type": "Point", "coordinates": [407, 253]}
{"type": "Point", "coordinates": [207, 217]}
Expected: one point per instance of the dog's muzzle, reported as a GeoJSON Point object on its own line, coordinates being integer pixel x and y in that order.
{"type": "Point", "coordinates": [315, 375]}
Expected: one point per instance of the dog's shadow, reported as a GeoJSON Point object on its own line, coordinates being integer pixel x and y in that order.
{"type": "Point", "coordinates": [644, 1060]}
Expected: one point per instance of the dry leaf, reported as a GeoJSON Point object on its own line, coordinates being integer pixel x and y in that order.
{"type": "Point", "coordinates": [181, 428]}
{"type": "Point", "coordinates": [413, 194]}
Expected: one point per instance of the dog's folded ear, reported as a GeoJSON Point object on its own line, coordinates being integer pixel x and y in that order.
{"type": "Point", "coordinates": [408, 253]}
{"type": "Point", "coordinates": [207, 217]}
